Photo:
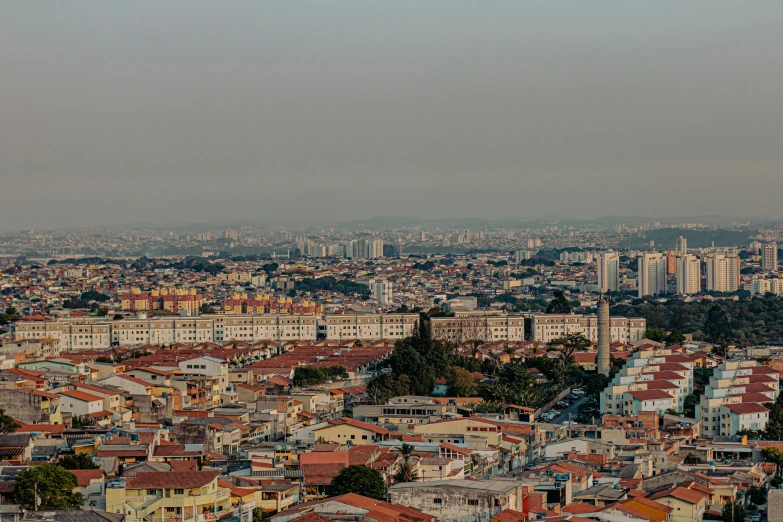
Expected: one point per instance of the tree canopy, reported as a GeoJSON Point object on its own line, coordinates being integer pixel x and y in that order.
{"type": "Point", "coordinates": [357, 479]}
{"type": "Point", "coordinates": [733, 512]}
{"type": "Point", "coordinates": [746, 321]}
{"type": "Point", "coordinates": [54, 486]}
{"type": "Point", "coordinates": [79, 461]}
{"type": "Point", "coordinates": [559, 304]}
{"type": "Point", "coordinates": [7, 424]}
{"type": "Point", "coordinates": [311, 375]}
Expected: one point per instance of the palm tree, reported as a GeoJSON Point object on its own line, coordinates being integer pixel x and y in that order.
{"type": "Point", "coordinates": [404, 472]}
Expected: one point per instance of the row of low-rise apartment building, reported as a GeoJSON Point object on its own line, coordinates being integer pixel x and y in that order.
{"type": "Point", "coordinates": [478, 326]}
{"type": "Point", "coordinates": [734, 397]}
{"type": "Point", "coordinates": [548, 327]}
{"type": "Point", "coordinates": [85, 333]}
{"type": "Point", "coordinates": [653, 380]}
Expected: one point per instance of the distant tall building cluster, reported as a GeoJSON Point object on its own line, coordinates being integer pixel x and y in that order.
{"type": "Point", "coordinates": [723, 272]}
{"type": "Point", "coordinates": [652, 274]}
{"type": "Point", "coordinates": [364, 249]}
{"type": "Point", "coordinates": [681, 245]}
{"type": "Point", "coordinates": [609, 272]}
{"type": "Point", "coordinates": [769, 257]}
{"type": "Point", "coordinates": [522, 255]}
{"type": "Point", "coordinates": [688, 274]}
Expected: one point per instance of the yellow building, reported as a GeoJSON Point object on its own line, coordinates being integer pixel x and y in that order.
{"type": "Point", "coordinates": [350, 431]}
{"type": "Point", "coordinates": [162, 496]}
{"type": "Point", "coordinates": [687, 505]}
{"type": "Point", "coordinates": [465, 426]}
{"type": "Point", "coordinates": [657, 512]}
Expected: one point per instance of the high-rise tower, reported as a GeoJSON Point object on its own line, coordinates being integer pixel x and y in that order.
{"type": "Point", "coordinates": [603, 362]}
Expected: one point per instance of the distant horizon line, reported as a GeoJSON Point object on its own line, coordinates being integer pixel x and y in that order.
{"type": "Point", "coordinates": [376, 222]}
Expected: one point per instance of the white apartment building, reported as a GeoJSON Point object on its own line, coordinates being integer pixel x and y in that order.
{"type": "Point", "coordinates": [370, 326]}
{"type": "Point", "coordinates": [681, 245]}
{"type": "Point", "coordinates": [769, 257]}
{"type": "Point", "coordinates": [382, 291]}
{"type": "Point", "coordinates": [609, 272]}
{"type": "Point", "coordinates": [761, 286]}
{"type": "Point", "coordinates": [376, 248]}
{"type": "Point", "coordinates": [652, 274]}
{"type": "Point", "coordinates": [688, 275]}
{"type": "Point", "coordinates": [723, 272]}
{"type": "Point", "coordinates": [272, 327]}
{"type": "Point", "coordinates": [548, 327]}
{"type": "Point", "coordinates": [651, 380]}
{"type": "Point", "coordinates": [478, 326]}
{"type": "Point", "coordinates": [95, 333]}
{"type": "Point", "coordinates": [364, 249]}
{"type": "Point", "coordinates": [733, 396]}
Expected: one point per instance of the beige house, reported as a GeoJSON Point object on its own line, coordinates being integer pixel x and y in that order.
{"type": "Point", "coordinates": [350, 431]}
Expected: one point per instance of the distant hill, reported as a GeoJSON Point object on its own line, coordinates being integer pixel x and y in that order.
{"type": "Point", "coordinates": [665, 238]}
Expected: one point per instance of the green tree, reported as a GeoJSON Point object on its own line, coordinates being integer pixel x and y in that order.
{"type": "Point", "coordinates": [774, 428]}
{"type": "Point", "coordinates": [733, 512]}
{"type": "Point", "coordinates": [357, 479]}
{"type": "Point", "coordinates": [655, 334]}
{"type": "Point", "coordinates": [689, 405]}
{"type": "Point", "coordinates": [559, 304]}
{"type": "Point", "coordinates": [78, 461]}
{"type": "Point", "coordinates": [406, 360]}
{"type": "Point", "coordinates": [385, 386]}
{"type": "Point", "coordinates": [7, 424]}
{"type": "Point", "coordinates": [461, 383]}
{"type": "Point", "coordinates": [757, 495]}
{"type": "Point", "coordinates": [717, 325]}
{"type": "Point", "coordinates": [54, 486]}
{"type": "Point", "coordinates": [674, 337]}
{"type": "Point", "coordinates": [774, 455]}
{"type": "Point", "coordinates": [571, 343]}
{"type": "Point", "coordinates": [92, 295]}
{"type": "Point", "coordinates": [308, 375]}
{"type": "Point", "coordinates": [404, 471]}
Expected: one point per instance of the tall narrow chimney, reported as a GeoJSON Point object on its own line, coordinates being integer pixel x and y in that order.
{"type": "Point", "coordinates": [602, 361]}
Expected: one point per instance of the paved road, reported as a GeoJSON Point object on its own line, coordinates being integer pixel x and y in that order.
{"type": "Point", "coordinates": [572, 409]}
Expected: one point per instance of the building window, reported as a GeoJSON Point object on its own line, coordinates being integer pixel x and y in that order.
{"type": "Point", "coordinates": [473, 502]}
{"type": "Point", "coordinates": [179, 491]}
{"type": "Point", "coordinates": [437, 501]}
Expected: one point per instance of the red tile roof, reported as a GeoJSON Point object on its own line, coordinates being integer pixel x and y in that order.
{"type": "Point", "coordinates": [84, 476]}
{"type": "Point", "coordinates": [171, 479]}
{"type": "Point", "coordinates": [649, 395]}
{"type": "Point", "coordinates": [81, 396]}
{"type": "Point", "coordinates": [746, 408]}
{"type": "Point", "coordinates": [684, 494]}
{"type": "Point", "coordinates": [509, 515]}
{"type": "Point", "coordinates": [359, 424]}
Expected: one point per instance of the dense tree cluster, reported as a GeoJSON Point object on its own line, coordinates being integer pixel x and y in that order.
{"type": "Point", "coordinates": [51, 485]}
{"type": "Point", "coordinates": [330, 284]}
{"type": "Point", "coordinates": [311, 375]}
{"type": "Point", "coordinates": [744, 321]}
{"type": "Point", "coordinates": [357, 479]}
{"type": "Point", "coordinates": [9, 316]}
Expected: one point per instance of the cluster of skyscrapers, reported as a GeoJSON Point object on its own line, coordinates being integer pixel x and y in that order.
{"type": "Point", "coordinates": [722, 271]}
{"type": "Point", "coordinates": [354, 249]}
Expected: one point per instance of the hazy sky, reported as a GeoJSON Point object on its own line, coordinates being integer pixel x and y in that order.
{"type": "Point", "coordinates": [164, 111]}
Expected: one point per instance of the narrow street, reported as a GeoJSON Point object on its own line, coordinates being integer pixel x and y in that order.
{"type": "Point", "coordinates": [572, 409]}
